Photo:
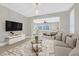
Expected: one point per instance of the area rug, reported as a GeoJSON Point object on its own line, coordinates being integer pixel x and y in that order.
{"type": "Point", "coordinates": [25, 49]}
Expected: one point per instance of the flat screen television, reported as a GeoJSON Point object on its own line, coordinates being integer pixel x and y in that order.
{"type": "Point", "coordinates": [13, 26]}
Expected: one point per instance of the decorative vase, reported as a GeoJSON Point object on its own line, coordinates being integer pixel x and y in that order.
{"type": "Point", "coordinates": [36, 39]}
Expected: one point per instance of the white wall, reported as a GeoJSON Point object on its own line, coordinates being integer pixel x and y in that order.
{"type": "Point", "coordinates": [29, 27]}
{"type": "Point", "coordinates": [77, 18]}
{"type": "Point", "coordinates": [7, 14]}
{"type": "Point", "coordinates": [64, 22]}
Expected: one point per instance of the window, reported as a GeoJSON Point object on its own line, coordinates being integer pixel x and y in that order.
{"type": "Point", "coordinates": [43, 27]}
{"type": "Point", "coordinates": [48, 24]}
{"type": "Point", "coordinates": [72, 21]}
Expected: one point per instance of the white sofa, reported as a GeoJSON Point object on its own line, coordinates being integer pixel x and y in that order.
{"type": "Point", "coordinates": [65, 46]}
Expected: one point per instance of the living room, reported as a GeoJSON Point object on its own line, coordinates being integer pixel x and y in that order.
{"type": "Point", "coordinates": [55, 26]}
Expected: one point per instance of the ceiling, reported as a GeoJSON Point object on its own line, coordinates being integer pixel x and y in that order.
{"type": "Point", "coordinates": [28, 9]}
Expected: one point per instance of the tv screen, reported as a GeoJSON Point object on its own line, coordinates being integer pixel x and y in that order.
{"type": "Point", "coordinates": [13, 26]}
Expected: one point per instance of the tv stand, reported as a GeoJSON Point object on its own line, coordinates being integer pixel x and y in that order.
{"type": "Point", "coordinates": [14, 39]}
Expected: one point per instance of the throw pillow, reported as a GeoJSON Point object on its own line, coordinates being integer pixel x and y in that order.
{"type": "Point", "coordinates": [71, 42]}
{"type": "Point", "coordinates": [59, 37]}
{"type": "Point", "coordinates": [64, 38]}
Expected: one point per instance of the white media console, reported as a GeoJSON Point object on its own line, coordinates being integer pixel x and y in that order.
{"type": "Point", "coordinates": [15, 38]}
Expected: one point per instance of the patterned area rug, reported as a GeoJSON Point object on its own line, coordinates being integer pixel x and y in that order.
{"type": "Point", "coordinates": [25, 49]}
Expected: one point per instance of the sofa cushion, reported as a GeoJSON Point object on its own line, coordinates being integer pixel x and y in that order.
{"type": "Point", "coordinates": [64, 38]}
{"type": "Point", "coordinates": [59, 43]}
{"type": "Point", "coordinates": [77, 44]}
{"type": "Point", "coordinates": [62, 51]}
{"type": "Point", "coordinates": [74, 52]}
{"type": "Point", "coordinates": [71, 41]}
{"type": "Point", "coordinates": [59, 37]}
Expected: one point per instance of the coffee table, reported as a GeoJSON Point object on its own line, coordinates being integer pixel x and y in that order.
{"type": "Point", "coordinates": [46, 48]}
